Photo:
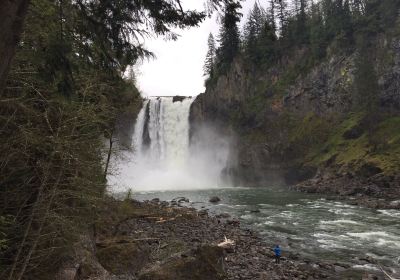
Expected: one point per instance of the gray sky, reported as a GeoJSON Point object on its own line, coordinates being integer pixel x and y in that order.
{"type": "Point", "coordinates": [178, 66]}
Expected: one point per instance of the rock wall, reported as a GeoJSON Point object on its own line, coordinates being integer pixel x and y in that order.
{"type": "Point", "coordinates": [253, 104]}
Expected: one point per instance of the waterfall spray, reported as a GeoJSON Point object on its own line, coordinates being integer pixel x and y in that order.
{"type": "Point", "coordinates": [162, 157]}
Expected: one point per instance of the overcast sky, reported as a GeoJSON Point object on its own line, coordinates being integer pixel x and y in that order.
{"type": "Point", "coordinates": [178, 66]}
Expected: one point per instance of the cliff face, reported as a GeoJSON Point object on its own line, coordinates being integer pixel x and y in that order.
{"type": "Point", "coordinates": [293, 122]}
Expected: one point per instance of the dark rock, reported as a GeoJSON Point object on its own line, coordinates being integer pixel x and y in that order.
{"type": "Point", "coordinates": [298, 174]}
{"type": "Point", "coordinates": [180, 199]}
{"type": "Point", "coordinates": [214, 199]}
{"type": "Point", "coordinates": [233, 222]}
{"type": "Point", "coordinates": [368, 170]}
{"type": "Point", "coordinates": [178, 98]}
{"type": "Point", "coordinates": [207, 262]}
{"type": "Point", "coordinates": [223, 216]}
{"type": "Point", "coordinates": [123, 258]}
{"type": "Point", "coordinates": [203, 212]}
{"type": "Point", "coordinates": [146, 133]}
{"type": "Point", "coordinates": [354, 132]}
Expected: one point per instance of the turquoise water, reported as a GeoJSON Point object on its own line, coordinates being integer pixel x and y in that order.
{"type": "Point", "coordinates": [316, 228]}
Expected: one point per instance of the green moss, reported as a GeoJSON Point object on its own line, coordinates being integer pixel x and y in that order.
{"type": "Point", "coordinates": [379, 146]}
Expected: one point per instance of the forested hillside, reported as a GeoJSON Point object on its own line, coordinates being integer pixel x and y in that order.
{"type": "Point", "coordinates": [69, 79]}
{"type": "Point", "coordinates": [310, 89]}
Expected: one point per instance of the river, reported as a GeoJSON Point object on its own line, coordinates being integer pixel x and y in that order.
{"type": "Point", "coordinates": [314, 227]}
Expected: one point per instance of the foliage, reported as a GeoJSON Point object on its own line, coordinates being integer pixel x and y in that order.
{"type": "Point", "coordinates": [65, 90]}
{"type": "Point", "coordinates": [209, 63]}
{"type": "Point", "coordinates": [229, 38]}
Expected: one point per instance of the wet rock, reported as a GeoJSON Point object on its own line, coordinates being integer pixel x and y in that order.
{"type": "Point", "coordinates": [368, 276]}
{"type": "Point", "coordinates": [180, 200]}
{"type": "Point", "coordinates": [203, 212]}
{"type": "Point", "coordinates": [233, 222]}
{"type": "Point", "coordinates": [395, 204]}
{"type": "Point", "coordinates": [339, 269]}
{"type": "Point", "coordinates": [214, 199]}
{"type": "Point", "coordinates": [178, 98]}
{"type": "Point", "coordinates": [223, 216]}
{"type": "Point", "coordinates": [368, 259]}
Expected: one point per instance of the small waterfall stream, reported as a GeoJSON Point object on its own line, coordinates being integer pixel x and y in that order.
{"type": "Point", "coordinates": [162, 157]}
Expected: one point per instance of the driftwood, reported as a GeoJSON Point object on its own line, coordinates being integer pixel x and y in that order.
{"type": "Point", "coordinates": [387, 274]}
{"type": "Point", "coordinates": [227, 243]}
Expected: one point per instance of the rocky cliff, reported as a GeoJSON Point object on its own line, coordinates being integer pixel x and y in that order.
{"type": "Point", "coordinates": [298, 120]}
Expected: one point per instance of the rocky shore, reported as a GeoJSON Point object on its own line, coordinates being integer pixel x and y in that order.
{"type": "Point", "coordinates": [156, 240]}
{"type": "Point", "coordinates": [379, 191]}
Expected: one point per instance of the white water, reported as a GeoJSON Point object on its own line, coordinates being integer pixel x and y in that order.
{"type": "Point", "coordinates": [168, 162]}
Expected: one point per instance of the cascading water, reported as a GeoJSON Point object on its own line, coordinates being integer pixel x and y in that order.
{"type": "Point", "coordinates": [162, 157]}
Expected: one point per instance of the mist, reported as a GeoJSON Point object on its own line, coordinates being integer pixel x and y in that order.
{"type": "Point", "coordinates": [164, 158]}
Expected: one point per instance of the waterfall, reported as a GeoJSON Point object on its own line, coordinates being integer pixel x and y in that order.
{"type": "Point", "coordinates": [139, 129]}
{"type": "Point", "coordinates": [162, 157]}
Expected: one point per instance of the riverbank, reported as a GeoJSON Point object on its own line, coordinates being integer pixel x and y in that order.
{"type": "Point", "coordinates": [161, 240]}
{"type": "Point", "coordinates": [377, 192]}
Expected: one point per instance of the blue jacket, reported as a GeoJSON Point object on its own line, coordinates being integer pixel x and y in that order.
{"type": "Point", "coordinates": [277, 251]}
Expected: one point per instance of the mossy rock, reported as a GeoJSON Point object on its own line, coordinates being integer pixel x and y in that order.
{"type": "Point", "coordinates": [204, 263]}
{"type": "Point", "coordinates": [123, 258]}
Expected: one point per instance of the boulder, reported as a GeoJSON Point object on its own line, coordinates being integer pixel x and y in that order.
{"type": "Point", "coordinates": [123, 258]}
{"type": "Point", "coordinates": [206, 262]}
{"type": "Point", "coordinates": [214, 199]}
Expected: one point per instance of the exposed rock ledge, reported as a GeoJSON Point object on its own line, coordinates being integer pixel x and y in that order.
{"type": "Point", "coordinates": [377, 191]}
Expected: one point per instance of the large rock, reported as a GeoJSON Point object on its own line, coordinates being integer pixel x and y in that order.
{"type": "Point", "coordinates": [214, 199]}
{"type": "Point", "coordinates": [123, 258]}
{"type": "Point", "coordinates": [206, 262]}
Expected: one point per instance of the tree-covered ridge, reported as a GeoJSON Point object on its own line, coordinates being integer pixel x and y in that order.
{"type": "Point", "coordinates": [320, 66]}
{"type": "Point", "coordinates": [67, 85]}
{"type": "Point", "coordinates": [279, 28]}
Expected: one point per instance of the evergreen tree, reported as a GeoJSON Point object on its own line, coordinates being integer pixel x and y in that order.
{"type": "Point", "coordinates": [229, 37]}
{"type": "Point", "coordinates": [252, 30]}
{"type": "Point", "coordinates": [302, 34]}
{"type": "Point", "coordinates": [317, 32]}
{"type": "Point", "coordinates": [282, 15]}
{"type": "Point", "coordinates": [209, 63]}
{"type": "Point", "coordinates": [266, 44]}
{"type": "Point", "coordinates": [271, 15]}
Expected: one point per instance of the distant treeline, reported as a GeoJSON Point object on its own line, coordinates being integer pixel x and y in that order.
{"type": "Point", "coordinates": [276, 29]}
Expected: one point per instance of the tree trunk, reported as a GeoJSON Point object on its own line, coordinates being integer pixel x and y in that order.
{"type": "Point", "coordinates": [109, 155]}
{"type": "Point", "coordinates": [12, 15]}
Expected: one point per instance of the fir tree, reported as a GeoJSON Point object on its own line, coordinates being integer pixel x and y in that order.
{"type": "Point", "coordinates": [282, 15]}
{"type": "Point", "coordinates": [209, 63]}
{"type": "Point", "coordinates": [271, 15]}
{"type": "Point", "coordinates": [229, 37]}
{"type": "Point", "coordinates": [252, 30]}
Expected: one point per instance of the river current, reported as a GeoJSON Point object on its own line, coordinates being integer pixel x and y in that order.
{"type": "Point", "coordinates": [314, 227]}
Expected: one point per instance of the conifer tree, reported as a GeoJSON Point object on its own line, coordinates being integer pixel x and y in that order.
{"type": "Point", "coordinates": [209, 63]}
{"type": "Point", "coordinates": [282, 15]}
{"type": "Point", "coordinates": [271, 15]}
{"type": "Point", "coordinates": [302, 34]}
{"type": "Point", "coordinates": [317, 32]}
{"type": "Point", "coordinates": [229, 37]}
{"type": "Point", "coordinates": [252, 30]}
